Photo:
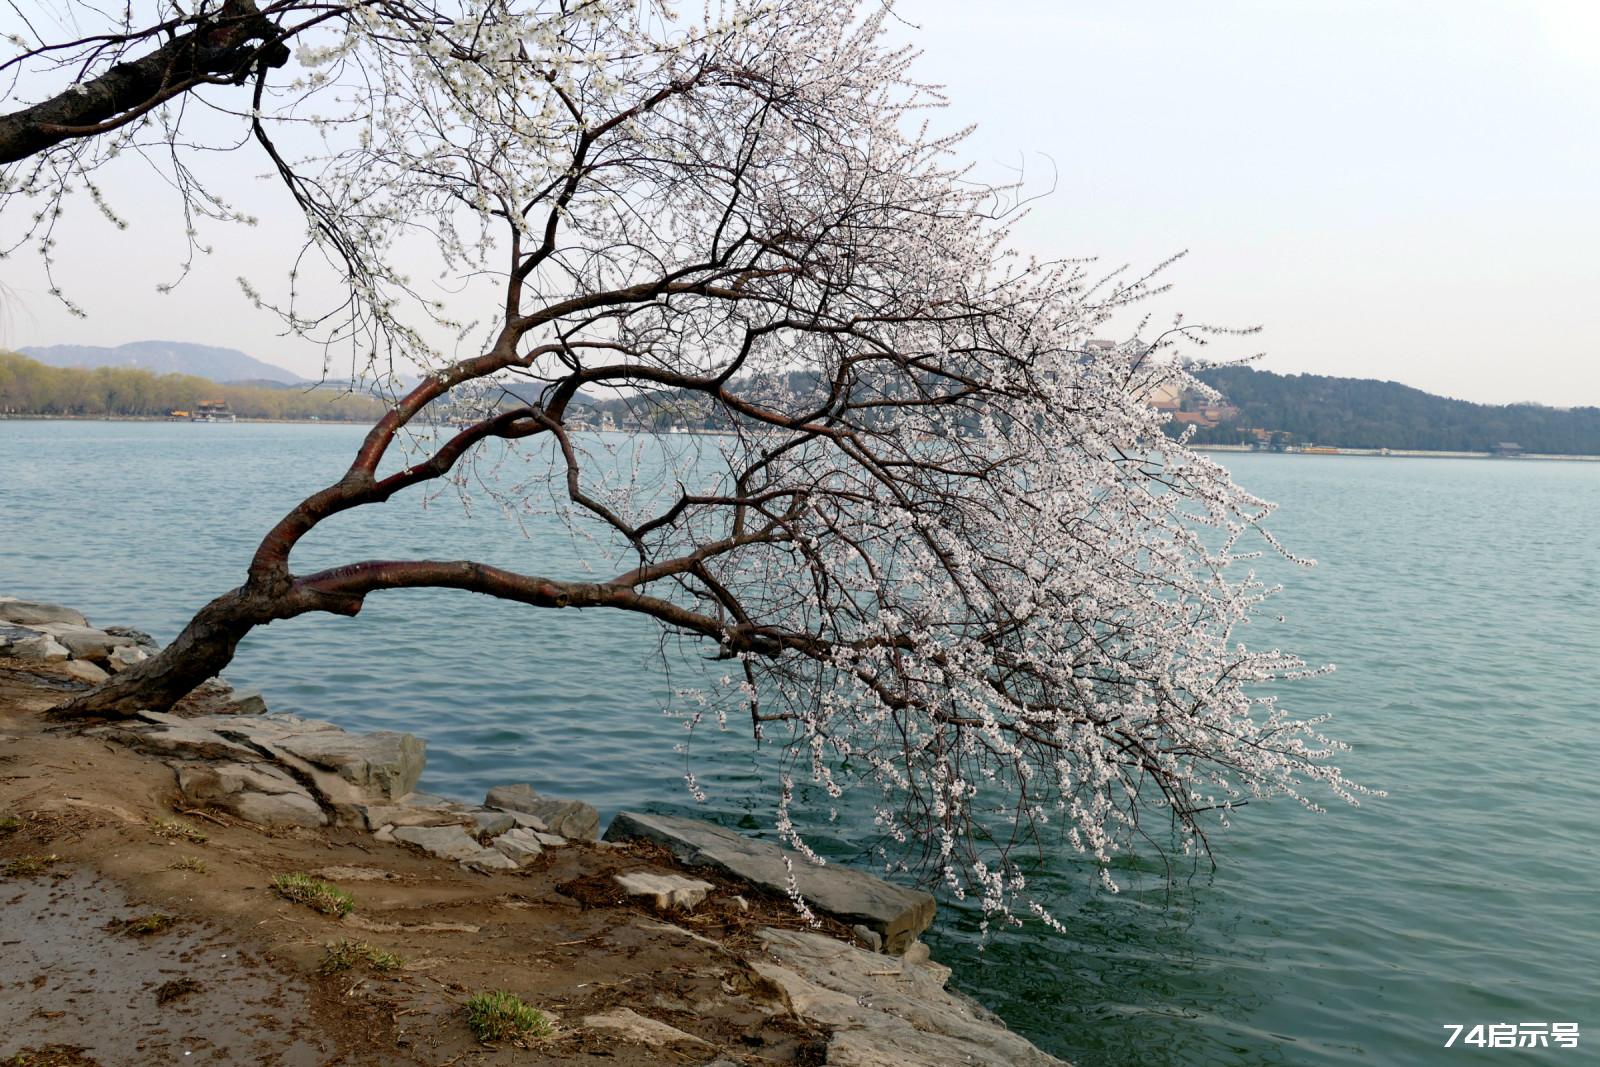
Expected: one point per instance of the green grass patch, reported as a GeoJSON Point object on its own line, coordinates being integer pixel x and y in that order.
{"type": "Point", "coordinates": [145, 925]}
{"type": "Point", "coordinates": [189, 863]}
{"type": "Point", "coordinates": [173, 830]}
{"type": "Point", "coordinates": [318, 896]}
{"type": "Point", "coordinates": [28, 866]}
{"type": "Point", "coordinates": [10, 824]}
{"type": "Point", "coordinates": [344, 954]}
{"type": "Point", "coordinates": [502, 1016]}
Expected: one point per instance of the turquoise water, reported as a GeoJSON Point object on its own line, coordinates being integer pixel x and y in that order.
{"type": "Point", "coordinates": [1458, 599]}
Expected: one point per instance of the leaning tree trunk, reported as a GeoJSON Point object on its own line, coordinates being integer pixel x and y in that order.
{"type": "Point", "coordinates": [203, 649]}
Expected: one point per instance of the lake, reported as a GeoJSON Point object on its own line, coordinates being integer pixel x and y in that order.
{"type": "Point", "coordinates": [1457, 598]}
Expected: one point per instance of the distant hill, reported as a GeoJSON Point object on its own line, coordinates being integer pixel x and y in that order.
{"type": "Point", "coordinates": [1365, 413]}
{"type": "Point", "coordinates": [165, 357]}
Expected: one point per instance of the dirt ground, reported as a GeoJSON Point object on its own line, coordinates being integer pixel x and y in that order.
{"type": "Point", "coordinates": [134, 931]}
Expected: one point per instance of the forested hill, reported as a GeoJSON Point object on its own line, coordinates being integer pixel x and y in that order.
{"type": "Point", "coordinates": [1364, 413]}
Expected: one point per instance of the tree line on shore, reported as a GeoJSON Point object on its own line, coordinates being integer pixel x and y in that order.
{"type": "Point", "coordinates": [1365, 413]}
{"type": "Point", "coordinates": [28, 387]}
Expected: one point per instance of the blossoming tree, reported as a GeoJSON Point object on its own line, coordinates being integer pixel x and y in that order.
{"type": "Point", "coordinates": [942, 544]}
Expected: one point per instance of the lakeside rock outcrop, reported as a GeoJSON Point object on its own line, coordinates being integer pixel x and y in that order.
{"type": "Point", "coordinates": [885, 1004]}
{"type": "Point", "coordinates": [895, 914]}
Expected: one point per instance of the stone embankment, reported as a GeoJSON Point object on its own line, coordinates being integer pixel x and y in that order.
{"type": "Point", "coordinates": [882, 1001]}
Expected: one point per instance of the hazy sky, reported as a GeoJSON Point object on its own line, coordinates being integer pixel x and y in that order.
{"type": "Point", "coordinates": [1404, 189]}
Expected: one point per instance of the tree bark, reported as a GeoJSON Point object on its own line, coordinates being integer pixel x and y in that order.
{"type": "Point", "coordinates": [218, 49]}
{"type": "Point", "coordinates": [203, 649]}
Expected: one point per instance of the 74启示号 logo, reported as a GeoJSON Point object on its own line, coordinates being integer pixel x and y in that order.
{"type": "Point", "coordinates": [1513, 1035]}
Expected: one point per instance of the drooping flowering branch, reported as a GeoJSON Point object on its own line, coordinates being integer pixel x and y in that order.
{"type": "Point", "coordinates": [939, 535]}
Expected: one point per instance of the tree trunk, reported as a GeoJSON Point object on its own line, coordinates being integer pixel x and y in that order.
{"type": "Point", "coordinates": [204, 648]}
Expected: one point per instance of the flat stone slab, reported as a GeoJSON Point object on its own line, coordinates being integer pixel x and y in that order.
{"type": "Point", "coordinates": [494, 822]}
{"type": "Point", "coordinates": [184, 740]}
{"type": "Point", "coordinates": [40, 648]}
{"type": "Point", "coordinates": [85, 642]}
{"type": "Point", "coordinates": [85, 671]}
{"type": "Point", "coordinates": [446, 842]}
{"type": "Point", "coordinates": [631, 1026]}
{"type": "Point", "coordinates": [402, 814]}
{"type": "Point", "coordinates": [256, 792]}
{"type": "Point", "coordinates": [665, 890]}
{"type": "Point", "coordinates": [897, 914]}
{"type": "Point", "coordinates": [384, 763]}
{"type": "Point", "coordinates": [124, 656]}
{"type": "Point", "coordinates": [454, 843]}
{"type": "Point", "coordinates": [569, 818]}
{"type": "Point", "coordinates": [34, 612]}
{"type": "Point", "coordinates": [518, 845]}
{"type": "Point", "coordinates": [880, 1017]}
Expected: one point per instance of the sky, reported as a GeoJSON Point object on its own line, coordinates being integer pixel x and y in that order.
{"type": "Point", "coordinates": [1396, 189]}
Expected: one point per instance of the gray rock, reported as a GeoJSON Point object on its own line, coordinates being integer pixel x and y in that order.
{"type": "Point", "coordinates": [433, 800]}
{"type": "Point", "coordinates": [897, 914]}
{"type": "Point", "coordinates": [665, 890]}
{"type": "Point", "coordinates": [120, 659]}
{"type": "Point", "coordinates": [183, 740]}
{"type": "Point", "coordinates": [139, 637]}
{"type": "Point", "coordinates": [873, 940]}
{"type": "Point", "coordinates": [550, 840]}
{"type": "Point", "coordinates": [631, 1026]}
{"type": "Point", "coordinates": [10, 634]}
{"type": "Point", "coordinates": [494, 822]}
{"type": "Point", "coordinates": [569, 818]}
{"type": "Point", "coordinates": [378, 815]}
{"type": "Point", "coordinates": [385, 763]}
{"type": "Point", "coordinates": [490, 860]}
{"type": "Point", "coordinates": [85, 671]}
{"type": "Point", "coordinates": [878, 1019]}
{"type": "Point", "coordinates": [85, 642]}
{"type": "Point", "coordinates": [518, 845]}
{"type": "Point", "coordinates": [41, 648]}
{"type": "Point", "coordinates": [247, 702]}
{"type": "Point", "coordinates": [276, 809]}
{"type": "Point", "coordinates": [526, 821]}
{"type": "Point", "coordinates": [34, 612]}
{"type": "Point", "coordinates": [257, 793]}
{"type": "Point", "coordinates": [446, 842]}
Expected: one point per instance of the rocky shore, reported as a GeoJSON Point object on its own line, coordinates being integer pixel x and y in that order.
{"type": "Point", "coordinates": [684, 946]}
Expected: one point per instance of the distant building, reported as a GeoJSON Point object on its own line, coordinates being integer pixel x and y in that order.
{"type": "Point", "coordinates": [1507, 448]}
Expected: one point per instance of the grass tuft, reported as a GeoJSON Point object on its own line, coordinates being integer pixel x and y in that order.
{"type": "Point", "coordinates": [28, 866]}
{"type": "Point", "coordinates": [189, 863]}
{"type": "Point", "coordinates": [318, 896]}
{"type": "Point", "coordinates": [51, 1056]}
{"type": "Point", "coordinates": [10, 824]}
{"type": "Point", "coordinates": [178, 987]}
{"type": "Point", "coordinates": [173, 830]}
{"type": "Point", "coordinates": [502, 1016]}
{"type": "Point", "coordinates": [145, 925]}
{"type": "Point", "coordinates": [345, 954]}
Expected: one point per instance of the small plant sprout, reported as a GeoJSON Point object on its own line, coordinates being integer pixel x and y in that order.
{"type": "Point", "coordinates": [316, 895]}
{"type": "Point", "coordinates": [502, 1016]}
{"type": "Point", "coordinates": [28, 866]}
{"type": "Point", "coordinates": [145, 925]}
{"type": "Point", "coordinates": [189, 863]}
{"type": "Point", "coordinates": [344, 954]}
{"type": "Point", "coordinates": [173, 830]}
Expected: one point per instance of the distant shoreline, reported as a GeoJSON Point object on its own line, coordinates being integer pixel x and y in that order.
{"type": "Point", "coordinates": [1393, 453]}
{"type": "Point", "coordinates": [167, 418]}
{"type": "Point", "coordinates": [1399, 453]}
